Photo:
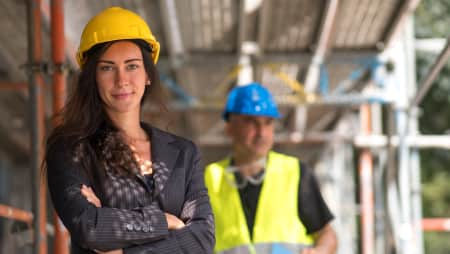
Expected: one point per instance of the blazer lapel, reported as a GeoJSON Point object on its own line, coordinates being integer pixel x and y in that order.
{"type": "Point", "coordinates": [164, 156]}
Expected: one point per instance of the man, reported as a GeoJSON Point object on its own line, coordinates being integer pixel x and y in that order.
{"type": "Point", "coordinates": [263, 201]}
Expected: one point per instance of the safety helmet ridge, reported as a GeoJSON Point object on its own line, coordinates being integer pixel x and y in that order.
{"type": "Point", "coordinates": [114, 24]}
{"type": "Point", "coordinates": [251, 99]}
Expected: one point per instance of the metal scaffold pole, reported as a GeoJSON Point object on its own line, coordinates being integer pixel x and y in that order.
{"type": "Point", "coordinates": [61, 243]}
{"type": "Point", "coordinates": [366, 186]}
{"type": "Point", "coordinates": [36, 107]}
{"type": "Point", "coordinates": [404, 190]}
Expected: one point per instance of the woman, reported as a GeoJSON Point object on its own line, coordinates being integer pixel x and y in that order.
{"type": "Point", "coordinates": [120, 185]}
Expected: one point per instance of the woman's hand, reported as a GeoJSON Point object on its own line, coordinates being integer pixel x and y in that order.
{"type": "Point", "coordinates": [173, 222]}
{"type": "Point", "coordinates": [89, 194]}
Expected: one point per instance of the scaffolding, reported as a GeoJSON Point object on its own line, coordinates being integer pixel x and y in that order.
{"type": "Point", "coordinates": [388, 162]}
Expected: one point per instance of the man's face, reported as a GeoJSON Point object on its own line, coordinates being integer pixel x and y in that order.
{"type": "Point", "coordinates": [251, 136]}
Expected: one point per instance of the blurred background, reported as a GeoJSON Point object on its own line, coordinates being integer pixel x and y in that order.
{"type": "Point", "coordinates": [363, 85]}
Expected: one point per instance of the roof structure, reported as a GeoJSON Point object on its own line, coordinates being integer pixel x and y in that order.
{"type": "Point", "coordinates": [286, 42]}
{"type": "Point", "coordinates": [321, 59]}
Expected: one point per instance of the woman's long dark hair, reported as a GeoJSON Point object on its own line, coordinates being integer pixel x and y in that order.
{"type": "Point", "coordinates": [87, 129]}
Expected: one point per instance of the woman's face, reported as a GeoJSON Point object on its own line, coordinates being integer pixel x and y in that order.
{"type": "Point", "coordinates": [121, 78]}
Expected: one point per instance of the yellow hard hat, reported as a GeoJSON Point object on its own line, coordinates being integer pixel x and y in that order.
{"type": "Point", "coordinates": [113, 24]}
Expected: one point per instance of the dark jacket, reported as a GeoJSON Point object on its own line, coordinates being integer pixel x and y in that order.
{"type": "Point", "coordinates": [130, 218]}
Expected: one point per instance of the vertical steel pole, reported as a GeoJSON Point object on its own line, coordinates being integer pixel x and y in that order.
{"type": "Point", "coordinates": [37, 124]}
{"type": "Point", "coordinates": [58, 54]}
{"type": "Point", "coordinates": [416, 190]}
{"type": "Point", "coordinates": [416, 240]}
{"type": "Point", "coordinates": [366, 186]}
{"type": "Point", "coordinates": [61, 243]}
{"type": "Point", "coordinates": [404, 179]}
{"type": "Point", "coordinates": [407, 237]}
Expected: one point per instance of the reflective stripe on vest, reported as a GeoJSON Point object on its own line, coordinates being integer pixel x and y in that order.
{"type": "Point", "coordinates": [267, 248]}
{"type": "Point", "coordinates": [276, 218]}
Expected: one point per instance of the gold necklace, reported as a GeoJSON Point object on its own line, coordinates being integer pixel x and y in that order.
{"type": "Point", "coordinates": [145, 166]}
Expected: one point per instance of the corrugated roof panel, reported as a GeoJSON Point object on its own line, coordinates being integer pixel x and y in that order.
{"type": "Point", "coordinates": [363, 23]}
{"type": "Point", "coordinates": [292, 25]}
{"type": "Point", "coordinates": [208, 25]}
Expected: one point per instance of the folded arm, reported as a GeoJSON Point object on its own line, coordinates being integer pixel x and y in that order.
{"type": "Point", "coordinates": [93, 227]}
{"type": "Point", "coordinates": [198, 234]}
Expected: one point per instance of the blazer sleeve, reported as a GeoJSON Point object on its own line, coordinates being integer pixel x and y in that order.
{"type": "Point", "coordinates": [198, 235]}
{"type": "Point", "coordinates": [91, 227]}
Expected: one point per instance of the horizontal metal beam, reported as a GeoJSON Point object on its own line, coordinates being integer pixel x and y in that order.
{"type": "Point", "coordinates": [430, 45]}
{"type": "Point", "coordinates": [287, 101]}
{"type": "Point", "coordinates": [15, 214]}
{"type": "Point", "coordinates": [19, 86]}
{"type": "Point", "coordinates": [417, 141]}
{"type": "Point", "coordinates": [360, 141]}
{"type": "Point", "coordinates": [336, 57]}
{"type": "Point", "coordinates": [284, 138]}
{"type": "Point", "coordinates": [436, 224]}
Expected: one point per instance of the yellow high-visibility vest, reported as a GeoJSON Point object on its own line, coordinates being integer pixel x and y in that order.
{"type": "Point", "coordinates": [276, 218]}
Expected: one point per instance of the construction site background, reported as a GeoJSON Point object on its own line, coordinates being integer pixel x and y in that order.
{"type": "Point", "coordinates": [426, 38]}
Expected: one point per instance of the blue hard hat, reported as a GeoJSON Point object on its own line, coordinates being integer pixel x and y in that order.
{"type": "Point", "coordinates": [251, 99]}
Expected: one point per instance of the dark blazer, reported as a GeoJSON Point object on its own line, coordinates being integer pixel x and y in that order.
{"type": "Point", "coordinates": [130, 218]}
